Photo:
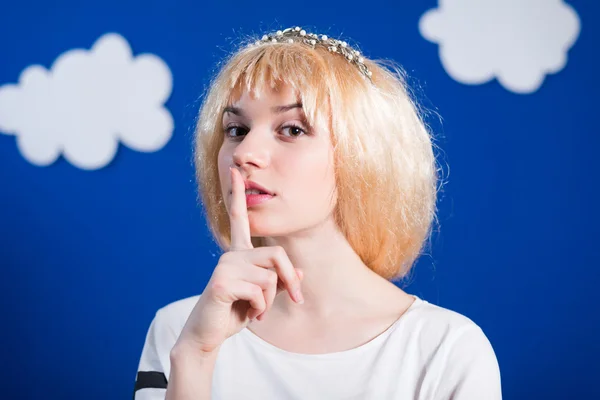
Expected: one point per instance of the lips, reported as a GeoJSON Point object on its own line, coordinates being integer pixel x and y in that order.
{"type": "Point", "coordinates": [255, 186]}
{"type": "Point", "coordinates": [256, 199]}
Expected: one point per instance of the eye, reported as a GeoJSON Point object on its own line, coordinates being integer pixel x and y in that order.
{"type": "Point", "coordinates": [293, 130]}
{"type": "Point", "coordinates": [234, 131]}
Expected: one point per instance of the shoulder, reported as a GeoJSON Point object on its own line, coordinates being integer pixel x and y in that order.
{"type": "Point", "coordinates": [445, 329]}
{"type": "Point", "coordinates": [438, 323]}
{"type": "Point", "coordinates": [458, 351]}
{"type": "Point", "coordinates": [173, 316]}
{"type": "Point", "coordinates": [165, 328]}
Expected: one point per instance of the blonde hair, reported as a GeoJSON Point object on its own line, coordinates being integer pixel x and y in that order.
{"type": "Point", "coordinates": [385, 167]}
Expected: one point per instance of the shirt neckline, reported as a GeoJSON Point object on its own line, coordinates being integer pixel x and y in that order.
{"type": "Point", "coordinates": [255, 339]}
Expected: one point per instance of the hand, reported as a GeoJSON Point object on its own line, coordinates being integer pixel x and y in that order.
{"type": "Point", "coordinates": [243, 285]}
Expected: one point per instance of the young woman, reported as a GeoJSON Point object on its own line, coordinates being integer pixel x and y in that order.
{"type": "Point", "coordinates": [319, 182]}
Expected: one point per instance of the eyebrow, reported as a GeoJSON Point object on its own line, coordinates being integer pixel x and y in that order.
{"type": "Point", "coordinates": [276, 109]}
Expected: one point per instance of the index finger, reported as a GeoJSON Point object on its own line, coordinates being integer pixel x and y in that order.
{"type": "Point", "coordinates": [238, 213]}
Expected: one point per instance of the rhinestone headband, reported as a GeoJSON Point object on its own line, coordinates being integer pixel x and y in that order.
{"type": "Point", "coordinates": [291, 35]}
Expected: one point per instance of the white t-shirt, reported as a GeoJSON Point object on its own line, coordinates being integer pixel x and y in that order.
{"type": "Point", "coordinates": [429, 353]}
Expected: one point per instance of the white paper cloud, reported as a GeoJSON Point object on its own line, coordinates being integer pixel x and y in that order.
{"type": "Point", "coordinates": [518, 42]}
{"type": "Point", "coordinates": [88, 102]}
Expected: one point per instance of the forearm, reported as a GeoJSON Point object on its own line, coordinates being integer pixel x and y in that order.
{"type": "Point", "coordinates": [191, 375]}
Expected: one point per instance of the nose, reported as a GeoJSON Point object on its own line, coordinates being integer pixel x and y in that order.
{"type": "Point", "coordinates": [253, 150]}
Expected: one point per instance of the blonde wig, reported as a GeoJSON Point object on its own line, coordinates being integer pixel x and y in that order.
{"type": "Point", "coordinates": [385, 167]}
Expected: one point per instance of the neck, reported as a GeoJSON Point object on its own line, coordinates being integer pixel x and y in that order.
{"type": "Point", "coordinates": [334, 275]}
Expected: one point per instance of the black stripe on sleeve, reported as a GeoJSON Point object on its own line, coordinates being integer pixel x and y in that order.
{"type": "Point", "coordinates": [150, 379]}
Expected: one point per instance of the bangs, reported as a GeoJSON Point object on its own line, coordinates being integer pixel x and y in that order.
{"type": "Point", "coordinates": [257, 71]}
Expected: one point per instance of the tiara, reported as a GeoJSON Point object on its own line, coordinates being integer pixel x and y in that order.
{"type": "Point", "coordinates": [291, 35]}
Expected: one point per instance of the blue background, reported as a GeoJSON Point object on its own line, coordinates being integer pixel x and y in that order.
{"type": "Point", "coordinates": [87, 257]}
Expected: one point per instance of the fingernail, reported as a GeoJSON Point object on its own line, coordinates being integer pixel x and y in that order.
{"type": "Point", "coordinates": [298, 296]}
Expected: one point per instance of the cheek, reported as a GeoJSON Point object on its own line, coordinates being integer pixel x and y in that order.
{"type": "Point", "coordinates": [313, 177]}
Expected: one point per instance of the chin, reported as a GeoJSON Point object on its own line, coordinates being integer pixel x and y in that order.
{"type": "Point", "coordinates": [261, 226]}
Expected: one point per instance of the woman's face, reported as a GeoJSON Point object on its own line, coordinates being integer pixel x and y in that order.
{"type": "Point", "coordinates": [269, 141]}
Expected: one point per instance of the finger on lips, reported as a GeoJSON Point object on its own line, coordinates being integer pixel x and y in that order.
{"type": "Point", "coordinates": [265, 257]}
{"type": "Point", "coordinates": [238, 213]}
